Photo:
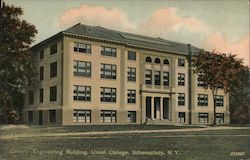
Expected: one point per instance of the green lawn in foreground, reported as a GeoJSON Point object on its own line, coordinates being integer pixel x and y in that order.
{"type": "Point", "coordinates": [209, 145]}
{"type": "Point", "coordinates": [87, 128]}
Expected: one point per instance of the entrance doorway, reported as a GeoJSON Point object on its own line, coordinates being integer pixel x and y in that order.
{"type": "Point", "coordinates": [41, 117]}
{"type": "Point", "coordinates": [157, 111]}
{"type": "Point", "coordinates": [166, 108]}
{"type": "Point", "coordinates": [148, 107]}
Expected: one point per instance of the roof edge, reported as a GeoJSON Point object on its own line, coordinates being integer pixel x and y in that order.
{"type": "Point", "coordinates": [125, 44]}
{"type": "Point", "coordinates": [44, 42]}
{"type": "Point", "coordinates": [64, 32]}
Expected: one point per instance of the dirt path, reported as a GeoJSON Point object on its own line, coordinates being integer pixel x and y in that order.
{"type": "Point", "coordinates": [96, 133]}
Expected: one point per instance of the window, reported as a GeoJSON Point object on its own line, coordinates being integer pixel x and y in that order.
{"type": "Point", "coordinates": [108, 94]}
{"type": "Point", "coordinates": [52, 116]}
{"type": "Point", "coordinates": [181, 99]}
{"type": "Point", "coordinates": [108, 116]}
{"type": "Point", "coordinates": [181, 117]}
{"type": "Point", "coordinates": [148, 59]}
{"type": "Point", "coordinates": [166, 62]}
{"type": "Point", "coordinates": [131, 74]}
{"type": "Point", "coordinates": [108, 71]}
{"type": "Point", "coordinates": [82, 68]}
{"type": "Point", "coordinates": [53, 49]}
{"type": "Point", "coordinates": [201, 83]}
{"type": "Point", "coordinates": [106, 51]}
{"type": "Point", "coordinates": [157, 60]}
{"type": "Point", "coordinates": [219, 101]}
{"type": "Point", "coordinates": [219, 117]}
{"type": "Point", "coordinates": [82, 93]}
{"type": "Point", "coordinates": [148, 76]}
{"type": "Point", "coordinates": [53, 69]}
{"type": "Point", "coordinates": [53, 93]}
{"type": "Point", "coordinates": [82, 48]}
{"type": "Point", "coordinates": [131, 55]}
{"type": "Point", "coordinates": [166, 78]}
{"type": "Point", "coordinates": [220, 86]}
{"type": "Point", "coordinates": [202, 100]}
{"type": "Point", "coordinates": [41, 95]}
{"type": "Point", "coordinates": [30, 116]}
{"type": "Point", "coordinates": [131, 116]}
{"type": "Point", "coordinates": [80, 115]}
{"type": "Point", "coordinates": [181, 62]}
{"type": "Point", "coordinates": [41, 73]}
{"type": "Point", "coordinates": [131, 96]}
{"type": "Point", "coordinates": [181, 79]}
{"type": "Point", "coordinates": [41, 54]}
{"type": "Point", "coordinates": [31, 97]}
{"type": "Point", "coordinates": [203, 117]}
{"type": "Point", "coordinates": [157, 77]}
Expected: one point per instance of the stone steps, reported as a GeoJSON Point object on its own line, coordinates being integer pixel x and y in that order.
{"type": "Point", "coordinates": [158, 122]}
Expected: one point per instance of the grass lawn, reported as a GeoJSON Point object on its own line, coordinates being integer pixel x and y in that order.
{"type": "Point", "coordinates": [207, 145]}
{"type": "Point", "coordinates": [86, 128]}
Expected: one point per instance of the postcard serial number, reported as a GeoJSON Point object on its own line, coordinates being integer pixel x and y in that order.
{"type": "Point", "coordinates": [236, 154]}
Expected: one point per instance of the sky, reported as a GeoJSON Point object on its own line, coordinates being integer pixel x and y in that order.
{"type": "Point", "coordinates": [221, 25]}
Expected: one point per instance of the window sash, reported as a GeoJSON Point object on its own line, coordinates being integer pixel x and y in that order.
{"type": "Point", "coordinates": [166, 61]}
{"type": "Point", "coordinates": [131, 74]}
{"type": "Point", "coordinates": [157, 61]}
{"type": "Point", "coordinates": [53, 49]}
{"type": "Point", "coordinates": [107, 51]}
{"type": "Point", "coordinates": [157, 77]}
{"type": "Point", "coordinates": [108, 116]}
{"type": "Point", "coordinates": [53, 69]}
{"type": "Point", "coordinates": [181, 62]}
{"type": "Point", "coordinates": [201, 83]}
{"type": "Point", "coordinates": [219, 101]}
{"type": "Point", "coordinates": [131, 96]}
{"type": "Point", "coordinates": [80, 115]}
{"type": "Point", "coordinates": [203, 117]}
{"type": "Point", "coordinates": [148, 76]}
{"type": "Point", "coordinates": [181, 79]}
{"type": "Point", "coordinates": [108, 71]}
{"type": "Point", "coordinates": [181, 117]}
{"type": "Point", "coordinates": [82, 93]}
{"type": "Point", "coordinates": [166, 78]}
{"type": "Point", "coordinates": [52, 116]}
{"type": "Point", "coordinates": [53, 93]}
{"type": "Point", "coordinates": [181, 99]}
{"type": "Point", "coordinates": [220, 117]}
{"type": "Point", "coordinates": [82, 68]}
{"type": "Point", "coordinates": [41, 95]}
{"type": "Point", "coordinates": [131, 55]}
{"type": "Point", "coordinates": [108, 94]}
{"type": "Point", "coordinates": [202, 100]}
{"type": "Point", "coordinates": [82, 48]}
{"type": "Point", "coordinates": [41, 73]}
{"type": "Point", "coordinates": [131, 116]}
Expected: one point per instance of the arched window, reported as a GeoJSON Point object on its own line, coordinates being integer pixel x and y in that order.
{"type": "Point", "coordinates": [157, 60]}
{"type": "Point", "coordinates": [166, 61]}
{"type": "Point", "coordinates": [148, 59]}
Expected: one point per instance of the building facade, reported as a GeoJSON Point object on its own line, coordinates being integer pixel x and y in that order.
{"type": "Point", "coordinates": [93, 75]}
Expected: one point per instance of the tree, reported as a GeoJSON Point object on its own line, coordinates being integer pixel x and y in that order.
{"type": "Point", "coordinates": [240, 100]}
{"type": "Point", "coordinates": [219, 71]}
{"type": "Point", "coordinates": [16, 66]}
